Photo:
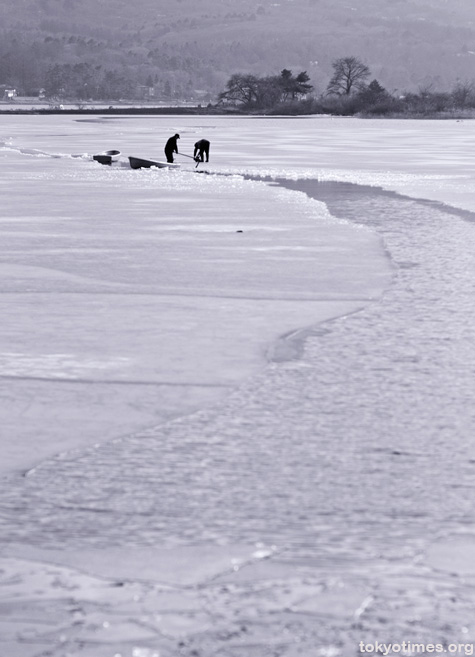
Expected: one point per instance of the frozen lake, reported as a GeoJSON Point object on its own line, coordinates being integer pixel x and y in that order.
{"type": "Point", "coordinates": [139, 287]}
{"type": "Point", "coordinates": [249, 404]}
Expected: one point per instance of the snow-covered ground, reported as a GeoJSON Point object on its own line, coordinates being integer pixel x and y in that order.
{"type": "Point", "coordinates": [256, 468]}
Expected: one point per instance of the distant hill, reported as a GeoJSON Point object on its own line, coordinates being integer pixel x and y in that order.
{"type": "Point", "coordinates": [189, 48]}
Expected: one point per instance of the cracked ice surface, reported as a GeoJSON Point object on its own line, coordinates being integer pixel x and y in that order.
{"type": "Point", "coordinates": [134, 296]}
{"type": "Point", "coordinates": [327, 498]}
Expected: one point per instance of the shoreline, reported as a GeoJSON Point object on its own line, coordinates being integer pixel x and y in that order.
{"type": "Point", "coordinates": [135, 110]}
{"type": "Point", "coordinates": [214, 111]}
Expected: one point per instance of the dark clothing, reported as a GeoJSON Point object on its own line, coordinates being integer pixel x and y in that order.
{"type": "Point", "coordinates": [171, 147]}
{"type": "Point", "coordinates": [201, 149]}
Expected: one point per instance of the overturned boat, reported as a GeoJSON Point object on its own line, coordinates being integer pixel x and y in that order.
{"type": "Point", "coordinates": [107, 157]}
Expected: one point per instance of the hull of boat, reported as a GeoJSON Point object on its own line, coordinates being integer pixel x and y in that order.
{"type": "Point", "coordinates": [140, 163]}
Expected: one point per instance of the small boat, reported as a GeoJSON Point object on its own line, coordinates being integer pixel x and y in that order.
{"type": "Point", "coordinates": [107, 157]}
{"type": "Point", "coordinates": [140, 163]}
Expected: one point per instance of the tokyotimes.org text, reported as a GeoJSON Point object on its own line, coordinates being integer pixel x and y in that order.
{"type": "Point", "coordinates": [410, 648]}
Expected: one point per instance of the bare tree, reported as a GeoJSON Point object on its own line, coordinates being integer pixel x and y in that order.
{"type": "Point", "coordinates": [252, 91]}
{"type": "Point", "coordinates": [349, 74]}
{"type": "Point", "coordinates": [241, 88]}
{"type": "Point", "coordinates": [426, 89]}
{"type": "Point", "coordinates": [463, 94]}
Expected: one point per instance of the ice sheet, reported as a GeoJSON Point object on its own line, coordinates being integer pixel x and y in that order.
{"type": "Point", "coordinates": [166, 285]}
{"type": "Point", "coordinates": [322, 501]}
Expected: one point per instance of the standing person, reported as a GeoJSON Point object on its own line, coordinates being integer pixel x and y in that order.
{"type": "Point", "coordinates": [171, 147]}
{"type": "Point", "coordinates": [201, 149]}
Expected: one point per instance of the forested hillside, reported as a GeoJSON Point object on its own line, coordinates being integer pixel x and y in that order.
{"type": "Point", "coordinates": [189, 48]}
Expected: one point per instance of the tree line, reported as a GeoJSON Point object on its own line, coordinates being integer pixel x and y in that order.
{"type": "Point", "coordinates": [347, 93]}
{"type": "Point", "coordinates": [86, 82]}
{"type": "Point", "coordinates": [173, 76]}
{"type": "Point", "coordinates": [262, 92]}
{"type": "Point", "coordinates": [73, 68]}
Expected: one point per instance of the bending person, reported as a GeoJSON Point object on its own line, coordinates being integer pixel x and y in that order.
{"type": "Point", "coordinates": [201, 149]}
{"type": "Point", "coordinates": [171, 147]}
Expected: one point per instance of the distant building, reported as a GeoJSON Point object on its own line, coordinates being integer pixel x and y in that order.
{"type": "Point", "coordinates": [201, 94]}
{"type": "Point", "coordinates": [145, 92]}
{"type": "Point", "coordinates": [9, 94]}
